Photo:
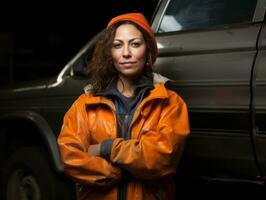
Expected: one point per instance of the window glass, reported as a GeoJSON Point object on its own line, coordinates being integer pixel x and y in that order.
{"type": "Point", "coordinates": [200, 14]}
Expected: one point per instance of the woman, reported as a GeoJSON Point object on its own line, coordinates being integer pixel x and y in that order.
{"type": "Point", "coordinates": [123, 138]}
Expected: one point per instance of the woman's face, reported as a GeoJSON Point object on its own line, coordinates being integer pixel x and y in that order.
{"type": "Point", "coordinates": [128, 51]}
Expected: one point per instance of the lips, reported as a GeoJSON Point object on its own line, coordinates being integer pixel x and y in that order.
{"type": "Point", "coordinates": [128, 64]}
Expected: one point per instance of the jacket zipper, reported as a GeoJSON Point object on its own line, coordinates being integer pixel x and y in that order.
{"type": "Point", "coordinates": [122, 186]}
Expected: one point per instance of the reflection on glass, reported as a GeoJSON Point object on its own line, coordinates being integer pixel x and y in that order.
{"type": "Point", "coordinates": [169, 23]}
{"type": "Point", "coordinates": [202, 14]}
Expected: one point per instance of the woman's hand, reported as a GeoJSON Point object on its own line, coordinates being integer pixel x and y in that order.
{"type": "Point", "coordinates": [94, 150]}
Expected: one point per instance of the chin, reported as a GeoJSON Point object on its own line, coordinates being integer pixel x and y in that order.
{"type": "Point", "coordinates": [131, 73]}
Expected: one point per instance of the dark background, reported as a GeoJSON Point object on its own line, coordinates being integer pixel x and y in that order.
{"type": "Point", "coordinates": [38, 39]}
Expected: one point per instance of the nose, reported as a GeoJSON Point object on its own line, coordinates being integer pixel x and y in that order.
{"type": "Point", "coordinates": [126, 51]}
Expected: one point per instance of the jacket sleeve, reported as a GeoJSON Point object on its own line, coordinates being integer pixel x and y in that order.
{"type": "Point", "coordinates": [158, 151]}
{"type": "Point", "coordinates": [73, 142]}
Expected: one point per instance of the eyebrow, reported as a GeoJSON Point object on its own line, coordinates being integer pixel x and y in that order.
{"type": "Point", "coordinates": [129, 40]}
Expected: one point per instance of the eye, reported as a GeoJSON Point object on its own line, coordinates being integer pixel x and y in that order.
{"type": "Point", "coordinates": [117, 45]}
{"type": "Point", "coordinates": [135, 44]}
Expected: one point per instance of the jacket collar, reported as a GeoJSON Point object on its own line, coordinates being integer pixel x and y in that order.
{"type": "Point", "coordinates": [159, 91]}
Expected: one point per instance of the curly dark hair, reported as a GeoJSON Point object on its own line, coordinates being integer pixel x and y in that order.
{"type": "Point", "coordinates": [102, 71]}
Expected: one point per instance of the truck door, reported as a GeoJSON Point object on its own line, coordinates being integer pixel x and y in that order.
{"type": "Point", "coordinates": [208, 48]}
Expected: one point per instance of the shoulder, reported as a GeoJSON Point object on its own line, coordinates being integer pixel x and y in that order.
{"type": "Point", "coordinates": [81, 101]}
{"type": "Point", "coordinates": [166, 89]}
{"type": "Point", "coordinates": [170, 94]}
{"type": "Point", "coordinates": [78, 107]}
{"type": "Point", "coordinates": [166, 84]}
{"type": "Point", "coordinates": [174, 97]}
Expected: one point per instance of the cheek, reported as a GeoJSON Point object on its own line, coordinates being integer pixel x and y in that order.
{"type": "Point", "coordinates": [140, 55]}
{"type": "Point", "coordinates": [115, 56]}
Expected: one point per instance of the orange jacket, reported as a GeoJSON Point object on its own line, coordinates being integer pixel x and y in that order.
{"type": "Point", "coordinates": [159, 129]}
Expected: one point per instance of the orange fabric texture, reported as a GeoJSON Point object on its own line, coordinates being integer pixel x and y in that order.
{"type": "Point", "coordinates": [140, 20]}
{"type": "Point", "coordinates": [159, 129]}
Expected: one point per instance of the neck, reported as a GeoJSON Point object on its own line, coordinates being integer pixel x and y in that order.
{"type": "Point", "coordinates": [126, 86]}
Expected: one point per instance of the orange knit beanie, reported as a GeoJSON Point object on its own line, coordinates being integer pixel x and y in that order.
{"type": "Point", "coordinates": [140, 20]}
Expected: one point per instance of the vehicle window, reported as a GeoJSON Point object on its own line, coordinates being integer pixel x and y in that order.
{"type": "Point", "coordinates": [80, 66]}
{"type": "Point", "coordinates": [201, 14]}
